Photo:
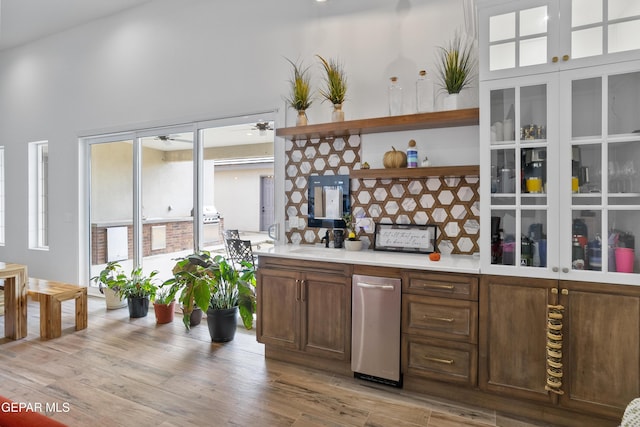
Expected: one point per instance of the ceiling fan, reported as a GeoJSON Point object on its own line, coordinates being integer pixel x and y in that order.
{"type": "Point", "coordinates": [167, 139]}
{"type": "Point", "coordinates": [263, 126]}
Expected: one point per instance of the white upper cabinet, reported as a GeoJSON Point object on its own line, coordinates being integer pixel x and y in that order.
{"type": "Point", "coordinates": [560, 139]}
{"type": "Point", "coordinates": [533, 36]}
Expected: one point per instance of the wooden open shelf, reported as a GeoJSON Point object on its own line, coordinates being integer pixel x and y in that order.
{"type": "Point", "coordinates": [400, 173]}
{"type": "Point", "coordinates": [440, 119]}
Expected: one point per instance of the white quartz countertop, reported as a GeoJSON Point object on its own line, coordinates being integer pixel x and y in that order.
{"type": "Point", "coordinates": [449, 263]}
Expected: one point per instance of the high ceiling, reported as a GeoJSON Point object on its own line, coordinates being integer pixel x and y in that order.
{"type": "Point", "coordinates": [23, 21]}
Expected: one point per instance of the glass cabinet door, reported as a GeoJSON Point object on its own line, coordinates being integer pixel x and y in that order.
{"type": "Point", "coordinates": [602, 174]}
{"type": "Point", "coordinates": [520, 155]}
{"type": "Point", "coordinates": [517, 37]}
{"type": "Point", "coordinates": [599, 30]}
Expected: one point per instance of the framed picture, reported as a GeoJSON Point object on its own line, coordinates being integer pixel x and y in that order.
{"type": "Point", "coordinates": [411, 238]}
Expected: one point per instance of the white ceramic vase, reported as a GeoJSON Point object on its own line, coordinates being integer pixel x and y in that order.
{"type": "Point", "coordinates": [451, 101]}
{"type": "Point", "coordinates": [353, 245]}
{"type": "Point", "coordinates": [113, 300]}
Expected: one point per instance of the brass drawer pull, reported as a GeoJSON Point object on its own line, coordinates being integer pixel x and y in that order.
{"type": "Point", "coordinates": [437, 360]}
{"type": "Point", "coordinates": [439, 319]}
{"type": "Point", "coordinates": [437, 286]}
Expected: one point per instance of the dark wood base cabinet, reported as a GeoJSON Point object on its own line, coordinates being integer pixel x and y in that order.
{"type": "Point", "coordinates": [557, 352]}
{"type": "Point", "coordinates": [440, 327]}
{"type": "Point", "coordinates": [304, 312]}
{"type": "Point", "coordinates": [584, 358]}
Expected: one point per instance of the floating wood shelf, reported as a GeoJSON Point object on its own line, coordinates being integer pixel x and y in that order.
{"type": "Point", "coordinates": [440, 119]}
{"type": "Point", "coordinates": [399, 173]}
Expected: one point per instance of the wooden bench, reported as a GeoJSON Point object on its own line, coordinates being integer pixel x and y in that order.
{"type": "Point", "coordinates": [50, 294]}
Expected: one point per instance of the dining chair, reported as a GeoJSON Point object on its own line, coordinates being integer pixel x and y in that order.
{"type": "Point", "coordinates": [240, 250]}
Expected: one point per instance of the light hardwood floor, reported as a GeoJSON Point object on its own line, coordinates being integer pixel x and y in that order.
{"type": "Point", "coordinates": [132, 372]}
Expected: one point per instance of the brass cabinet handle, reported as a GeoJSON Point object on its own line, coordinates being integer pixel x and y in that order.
{"type": "Point", "coordinates": [437, 360]}
{"type": "Point", "coordinates": [438, 286]}
{"type": "Point", "coordinates": [297, 289]}
{"type": "Point", "coordinates": [554, 59]}
{"type": "Point", "coordinates": [303, 292]}
{"type": "Point", "coordinates": [565, 57]}
{"type": "Point", "coordinates": [439, 319]}
{"type": "Point", "coordinates": [554, 290]}
{"type": "Point", "coordinates": [565, 292]}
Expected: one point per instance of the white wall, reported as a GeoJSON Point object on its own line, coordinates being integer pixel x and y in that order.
{"type": "Point", "coordinates": [171, 61]}
{"type": "Point", "coordinates": [237, 196]}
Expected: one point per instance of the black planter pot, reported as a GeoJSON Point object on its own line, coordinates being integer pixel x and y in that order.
{"type": "Point", "coordinates": [196, 317]}
{"type": "Point", "coordinates": [138, 307]}
{"type": "Point", "coordinates": [222, 324]}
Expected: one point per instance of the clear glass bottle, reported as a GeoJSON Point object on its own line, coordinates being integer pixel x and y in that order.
{"type": "Point", "coordinates": [424, 93]}
{"type": "Point", "coordinates": [395, 97]}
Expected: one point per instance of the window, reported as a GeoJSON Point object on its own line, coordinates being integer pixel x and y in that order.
{"type": "Point", "coordinates": [39, 195]}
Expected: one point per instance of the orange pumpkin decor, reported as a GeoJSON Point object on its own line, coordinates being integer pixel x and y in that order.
{"type": "Point", "coordinates": [394, 159]}
{"type": "Point", "coordinates": [434, 256]}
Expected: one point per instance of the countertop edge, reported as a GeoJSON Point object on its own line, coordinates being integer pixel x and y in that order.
{"type": "Point", "coordinates": [467, 264]}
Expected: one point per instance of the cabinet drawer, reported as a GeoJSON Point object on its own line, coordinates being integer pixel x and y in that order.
{"type": "Point", "coordinates": [445, 285]}
{"type": "Point", "coordinates": [440, 318]}
{"type": "Point", "coordinates": [441, 360]}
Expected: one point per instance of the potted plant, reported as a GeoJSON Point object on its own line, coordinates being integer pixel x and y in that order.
{"type": "Point", "coordinates": [107, 285]}
{"type": "Point", "coordinates": [456, 65]}
{"type": "Point", "coordinates": [233, 290]}
{"type": "Point", "coordinates": [191, 282]}
{"type": "Point", "coordinates": [352, 242]}
{"type": "Point", "coordinates": [336, 86]}
{"type": "Point", "coordinates": [137, 288]}
{"type": "Point", "coordinates": [164, 306]}
{"type": "Point", "coordinates": [300, 95]}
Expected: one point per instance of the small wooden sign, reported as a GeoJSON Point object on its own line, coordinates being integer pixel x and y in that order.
{"type": "Point", "coordinates": [412, 238]}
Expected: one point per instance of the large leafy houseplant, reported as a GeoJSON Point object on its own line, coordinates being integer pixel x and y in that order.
{"type": "Point", "coordinates": [456, 64]}
{"type": "Point", "coordinates": [234, 287]}
{"type": "Point", "coordinates": [192, 281]}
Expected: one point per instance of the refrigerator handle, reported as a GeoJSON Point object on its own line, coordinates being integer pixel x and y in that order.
{"type": "Point", "coordinates": [370, 286]}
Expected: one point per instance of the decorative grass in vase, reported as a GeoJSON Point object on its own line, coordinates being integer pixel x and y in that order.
{"type": "Point", "coordinates": [456, 66]}
{"type": "Point", "coordinates": [300, 95]}
{"type": "Point", "coordinates": [335, 89]}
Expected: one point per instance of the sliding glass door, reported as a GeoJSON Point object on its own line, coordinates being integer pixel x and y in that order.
{"type": "Point", "coordinates": [166, 192]}
{"type": "Point", "coordinates": [154, 194]}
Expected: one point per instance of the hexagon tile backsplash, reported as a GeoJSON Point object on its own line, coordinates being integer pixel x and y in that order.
{"type": "Point", "coordinates": [452, 203]}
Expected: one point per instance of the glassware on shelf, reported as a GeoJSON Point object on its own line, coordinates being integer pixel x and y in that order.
{"type": "Point", "coordinates": [424, 93]}
{"type": "Point", "coordinates": [395, 97]}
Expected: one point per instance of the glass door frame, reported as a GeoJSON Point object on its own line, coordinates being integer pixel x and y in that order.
{"type": "Point", "coordinates": [551, 80]}
{"type": "Point", "coordinates": [566, 198]}
{"type": "Point", "coordinates": [197, 128]}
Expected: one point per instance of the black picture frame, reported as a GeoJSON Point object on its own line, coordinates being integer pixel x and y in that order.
{"type": "Point", "coordinates": [317, 186]}
{"type": "Point", "coordinates": [411, 238]}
